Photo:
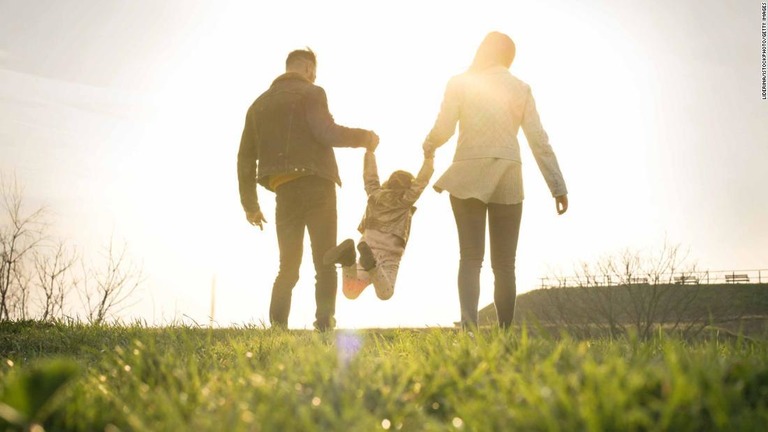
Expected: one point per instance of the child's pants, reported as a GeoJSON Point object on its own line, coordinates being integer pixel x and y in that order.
{"type": "Point", "coordinates": [388, 250]}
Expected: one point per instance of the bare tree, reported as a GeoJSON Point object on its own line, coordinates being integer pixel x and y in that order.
{"type": "Point", "coordinates": [20, 295]}
{"type": "Point", "coordinates": [587, 304]}
{"type": "Point", "coordinates": [34, 270]}
{"type": "Point", "coordinates": [630, 290]}
{"type": "Point", "coordinates": [21, 233]}
{"type": "Point", "coordinates": [54, 279]}
{"type": "Point", "coordinates": [107, 290]}
{"type": "Point", "coordinates": [661, 301]}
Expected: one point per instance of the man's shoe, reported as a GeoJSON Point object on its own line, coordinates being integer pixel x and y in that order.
{"type": "Point", "coordinates": [325, 325]}
{"type": "Point", "coordinates": [343, 254]}
{"type": "Point", "coordinates": [367, 261]}
{"type": "Point", "coordinates": [278, 326]}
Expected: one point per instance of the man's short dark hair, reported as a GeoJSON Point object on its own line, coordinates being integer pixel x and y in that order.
{"type": "Point", "coordinates": [301, 55]}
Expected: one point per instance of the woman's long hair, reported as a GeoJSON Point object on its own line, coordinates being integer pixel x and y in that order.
{"type": "Point", "coordinates": [497, 49]}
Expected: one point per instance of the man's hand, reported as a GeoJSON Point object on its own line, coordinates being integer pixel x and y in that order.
{"type": "Point", "coordinates": [256, 219]}
{"type": "Point", "coordinates": [561, 203]}
{"type": "Point", "coordinates": [373, 143]}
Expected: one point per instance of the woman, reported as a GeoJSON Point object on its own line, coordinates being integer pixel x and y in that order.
{"type": "Point", "coordinates": [485, 178]}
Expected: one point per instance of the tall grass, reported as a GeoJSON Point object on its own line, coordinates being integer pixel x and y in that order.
{"type": "Point", "coordinates": [251, 379]}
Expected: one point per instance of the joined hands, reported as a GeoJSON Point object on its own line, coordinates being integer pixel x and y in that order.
{"type": "Point", "coordinates": [373, 143]}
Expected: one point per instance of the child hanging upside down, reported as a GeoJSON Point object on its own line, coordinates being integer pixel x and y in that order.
{"type": "Point", "coordinates": [385, 228]}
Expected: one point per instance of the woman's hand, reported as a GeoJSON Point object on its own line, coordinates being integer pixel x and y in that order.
{"type": "Point", "coordinates": [429, 149]}
{"type": "Point", "coordinates": [561, 204]}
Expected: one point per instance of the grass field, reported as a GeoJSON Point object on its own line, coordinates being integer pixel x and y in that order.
{"type": "Point", "coordinates": [77, 377]}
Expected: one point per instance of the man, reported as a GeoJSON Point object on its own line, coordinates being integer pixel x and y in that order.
{"type": "Point", "coordinates": [287, 147]}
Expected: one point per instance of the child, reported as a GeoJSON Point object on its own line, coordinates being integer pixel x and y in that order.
{"type": "Point", "coordinates": [385, 228]}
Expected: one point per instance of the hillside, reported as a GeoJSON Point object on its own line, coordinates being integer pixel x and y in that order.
{"type": "Point", "coordinates": [730, 306]}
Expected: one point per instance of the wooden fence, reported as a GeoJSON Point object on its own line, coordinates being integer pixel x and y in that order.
{"type": "Point", "coordinates": [709, 277]}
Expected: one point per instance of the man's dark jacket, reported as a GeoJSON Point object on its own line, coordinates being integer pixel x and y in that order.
{"type": "Point", "coordinates": [289, 129]}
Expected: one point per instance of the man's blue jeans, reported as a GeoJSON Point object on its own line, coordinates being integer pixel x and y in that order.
{"type": "Point", "coordinates": [307, 203]}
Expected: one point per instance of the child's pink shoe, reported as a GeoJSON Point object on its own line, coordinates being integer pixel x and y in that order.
{"type": "Point", "coordinates": [352, 288]}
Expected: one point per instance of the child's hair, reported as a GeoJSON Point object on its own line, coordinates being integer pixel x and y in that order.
{"type": "Point", "coordinates": [399, 180]}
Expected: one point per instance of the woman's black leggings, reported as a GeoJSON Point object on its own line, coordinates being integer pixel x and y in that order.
{"type": "Point", "coordinates": [504, 229]}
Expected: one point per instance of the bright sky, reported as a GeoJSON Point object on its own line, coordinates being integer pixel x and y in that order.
{"type": "Point", "coordinates": [125, 116]}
